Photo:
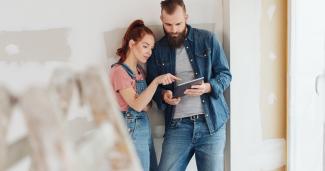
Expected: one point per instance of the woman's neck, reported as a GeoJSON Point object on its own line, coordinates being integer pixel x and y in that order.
{"type": "Point", "coordinates": [132, 63]}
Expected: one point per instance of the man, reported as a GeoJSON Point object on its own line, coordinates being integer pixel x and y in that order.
{"type": "Point", "coordinates": [194, 123]}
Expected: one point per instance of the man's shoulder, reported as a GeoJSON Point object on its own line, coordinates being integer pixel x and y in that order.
{"type": "Point", "coordinates": [201, 33]}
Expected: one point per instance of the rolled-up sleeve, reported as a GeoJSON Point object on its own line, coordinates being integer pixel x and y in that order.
{"type": "Point", "coordinates": [221, 75]}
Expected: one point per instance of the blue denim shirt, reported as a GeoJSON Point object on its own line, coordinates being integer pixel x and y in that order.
{"type": "Point", "coordinates": [208, 60]}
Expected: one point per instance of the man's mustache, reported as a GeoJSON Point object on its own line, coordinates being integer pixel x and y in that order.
{"type": "Point", "coordinates": [174, 34]}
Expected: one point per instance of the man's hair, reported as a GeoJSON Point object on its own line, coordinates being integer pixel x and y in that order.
{"type": "Point", "coordinates": [170, 5]}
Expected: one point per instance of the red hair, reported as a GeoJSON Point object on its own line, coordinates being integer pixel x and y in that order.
{"type": "Point", "coordinates": [136, 31]}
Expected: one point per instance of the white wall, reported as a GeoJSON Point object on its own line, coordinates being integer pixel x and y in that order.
{"type": "Point", "coordinates": [88, 20]}
{"type": "Point", "coordinates": [86, 32]}
{"type": "Point", "coordinates": [257, 140]}
{"type": "Point", "coordinates": [306, 106]}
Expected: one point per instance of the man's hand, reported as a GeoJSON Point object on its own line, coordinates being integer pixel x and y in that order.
{"type": "Point", "coordinates": [198, 90]}
{"type": "Point", "coordinates": [168, 98]}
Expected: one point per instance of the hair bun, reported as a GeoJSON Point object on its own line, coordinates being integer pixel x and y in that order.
{"type": "Point", "coordinates": [137, 23]}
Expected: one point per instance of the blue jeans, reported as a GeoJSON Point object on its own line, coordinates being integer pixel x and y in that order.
{"type": "Point", "coordinates": [186, 137]}
{"type": "Point", "coordinates": [139, 131]}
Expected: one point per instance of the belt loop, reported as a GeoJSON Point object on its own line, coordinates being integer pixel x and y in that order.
{"type": "Point", "coordinates": [195, 117]}
{"type": "Point", "coordinates": [178, 119]}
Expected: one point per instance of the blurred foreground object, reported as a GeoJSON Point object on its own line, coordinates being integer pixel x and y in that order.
{"type": "Point", "coordinates": [55, 142]}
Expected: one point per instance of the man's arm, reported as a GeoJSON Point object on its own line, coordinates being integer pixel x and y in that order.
{"type": "Point", "coordinates": [221, 75]}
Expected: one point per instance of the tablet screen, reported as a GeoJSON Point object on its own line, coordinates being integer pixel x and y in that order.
{"type": "Point", "coordinates": [179, 89]}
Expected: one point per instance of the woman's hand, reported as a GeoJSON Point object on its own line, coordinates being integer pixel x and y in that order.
{"type": "Point", "coordinates": [166, 79]}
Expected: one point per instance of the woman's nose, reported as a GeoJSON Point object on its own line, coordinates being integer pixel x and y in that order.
{"type": "Point", "coordinates": [149, 52]}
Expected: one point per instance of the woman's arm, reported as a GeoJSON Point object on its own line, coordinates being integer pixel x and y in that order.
{"type": "Point", "coordinates": [139, 102]}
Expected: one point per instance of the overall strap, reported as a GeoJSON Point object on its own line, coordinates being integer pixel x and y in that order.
{"type": "Point", "coordinates": [127, 69]}
{"type": "Point", "coordinates": [142, 71]}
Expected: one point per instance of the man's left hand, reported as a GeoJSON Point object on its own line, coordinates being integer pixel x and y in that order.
{"type": "Point", "coordinates": [198, 90]}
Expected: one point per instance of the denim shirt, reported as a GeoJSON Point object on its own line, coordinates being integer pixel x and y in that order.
{"type": "Point", "coordinates": [208, 60]}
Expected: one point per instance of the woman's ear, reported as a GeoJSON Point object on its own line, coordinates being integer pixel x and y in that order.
{"type": "Point", "coordinates": [131, 43]}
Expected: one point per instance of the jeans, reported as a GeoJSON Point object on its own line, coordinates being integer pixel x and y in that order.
{"type": "Point", "coordinates": [186, 137]}
{"type": "Point", "coordinates": [140, 133]}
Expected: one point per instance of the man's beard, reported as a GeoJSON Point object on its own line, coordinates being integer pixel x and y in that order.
{"type": "Point", "coordinates": [176, 42]}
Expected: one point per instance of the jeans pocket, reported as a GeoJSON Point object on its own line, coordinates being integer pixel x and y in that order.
{"type": "Point", "coordinates": [131, 124]}
{"type": "Point", "coordinates": [222, 130]}
{"type": "Point", "coordinates": [174, 123]}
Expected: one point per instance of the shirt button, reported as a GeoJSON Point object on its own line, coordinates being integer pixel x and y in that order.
{"type": "Point", "coordinates": [191, 60]}
{"type": "Point", "coordinates": [206, 115]}
{"type": "Point", "coordinates": [202, 101]}
{"type": "Point", "coordinates": [163, 64]}
{"type": "Point", "coordinates": [205, 55]}
{"type": "Point", "coordinates": [196, 73]}
{"type": "Point", "coordinates": [186, 47]}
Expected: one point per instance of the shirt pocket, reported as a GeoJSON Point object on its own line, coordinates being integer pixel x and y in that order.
{"type": "Point", "coordinates": [203, 58]}
{"type": "Point", "coordinates": [204, 53]}
{"type": "Point", "coordinates": [164, 67]}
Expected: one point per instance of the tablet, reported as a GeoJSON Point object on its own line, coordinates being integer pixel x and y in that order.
{"type": "Point", "coordinates": [179, 89]}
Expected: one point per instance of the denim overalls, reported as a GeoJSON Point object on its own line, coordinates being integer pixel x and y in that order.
{"type": "Point", "coordinates": [139, 128]}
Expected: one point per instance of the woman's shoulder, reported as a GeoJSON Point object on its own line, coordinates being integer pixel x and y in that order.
{"type": "Point", "coordinates": [117, 71]}
{"type": "Point", "coordinates": [117, 68]}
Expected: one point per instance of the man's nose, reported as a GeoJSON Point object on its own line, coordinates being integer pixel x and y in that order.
{"type": "Point", "coordinates": [174, 30]}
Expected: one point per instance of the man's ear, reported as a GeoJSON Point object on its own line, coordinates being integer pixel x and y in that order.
{"type": "Point", "coordinates": [131, 43]}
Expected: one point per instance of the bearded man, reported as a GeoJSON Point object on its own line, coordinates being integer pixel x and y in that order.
{"type": "Point", "coordinates": [196, 122]}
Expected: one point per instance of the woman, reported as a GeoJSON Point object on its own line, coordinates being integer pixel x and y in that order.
{"type": "Point", "coordinates": [133, 94]}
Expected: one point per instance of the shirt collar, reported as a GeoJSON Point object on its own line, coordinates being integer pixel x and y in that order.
{"type": "Point", "coordinates": [190, 35]}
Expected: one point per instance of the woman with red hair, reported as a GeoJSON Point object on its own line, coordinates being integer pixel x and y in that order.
{"type": "Point", "coordinates": [133, 93]}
